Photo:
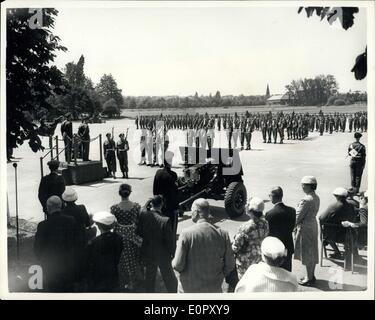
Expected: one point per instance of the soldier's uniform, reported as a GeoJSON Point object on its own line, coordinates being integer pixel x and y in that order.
{"type": "Point", "coordinates": [122, 148]}
{"type": "Point", "coordinates": [84, 134]}
{"type": "Point", "coordinates": [357, 152]}
{"type": "Point", "coordinates": [263, 126]}
{"type": "Point", "coordinates": [269, 129]}
{"type": "Point", "coordinates": [142, 145]}
{"type": "Point", "coordinates": [289, 128]}
{"type": "Point", "coordinates": [243, 124]}
{"type": "Point", "coordinates": [248, 130]}
{"type": "Point", "coordinates": [149, 145]}
{"type": "Point", "coordinates": [109, 150]}
{"type": "Point", "coordinates": [295, 128]}
{"type": "Point", "coordinates": [236, 131]}
{"type": "Point", "coordinates": [321, 125]}
{"type": "Point", "coordinates": [350, 123]}
{"type": "Point", "coordinates": [343, 123]}
{"type": "Point", "coordinates": [281, 127]}
{"type": "Point", "coordinates": [67, 134]}
{"type": "Point", "coordinates": [363, 123]}
{"type": "Point", "coordinates": [331, 124]}
{"type": "Point", "coordinates": [274, 129]}
{"type": "Point", "coordinates": [229, 132]}
{"type": "Point", "coordinates": [211, 133]}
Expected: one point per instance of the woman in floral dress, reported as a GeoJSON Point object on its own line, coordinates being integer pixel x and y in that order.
{"type": "Point", "coordinates": [247, 242]}
{"type": "Point", "coordinates": [127, 215]}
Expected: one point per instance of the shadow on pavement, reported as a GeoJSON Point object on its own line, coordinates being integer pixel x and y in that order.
{"type": "Point", "coordinates": [219, 214]}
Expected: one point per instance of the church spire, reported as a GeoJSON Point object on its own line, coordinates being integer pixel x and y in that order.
{"type": "Point", "coordinates": [268, 92]}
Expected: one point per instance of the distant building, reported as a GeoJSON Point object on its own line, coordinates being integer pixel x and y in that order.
{"type": "Point", "coordinates": [281, 99]}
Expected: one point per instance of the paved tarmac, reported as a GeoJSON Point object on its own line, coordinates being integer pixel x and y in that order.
{"type": "Point", "coordinates": [265, 166]}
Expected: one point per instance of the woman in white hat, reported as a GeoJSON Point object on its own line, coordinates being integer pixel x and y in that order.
{"type": "Point", "coordinates": [306, 231]}
{"type": "Point", "coordinates": [247, 241]}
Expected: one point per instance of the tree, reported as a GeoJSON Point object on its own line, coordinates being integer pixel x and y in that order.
{"type": "Point", "coordinates": [30, 76]}
{"type": "Point", "coordinates": [107, 89]}
{"type": "Point", "coordinates": [110, 108]}
{"type": "Point", "coordinates": [79, 96]}
{"type": "Point", "coordinates": [312, 91]}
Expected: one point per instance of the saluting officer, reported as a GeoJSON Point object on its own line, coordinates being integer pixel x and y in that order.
{"type": "Point", "coordinates": [357, 152]}
{"type": "Point", "coordinates": [122, 155]}
{"type": "Point", "coordinates": [109, 150]}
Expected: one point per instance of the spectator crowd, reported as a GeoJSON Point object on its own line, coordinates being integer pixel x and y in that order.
{"type": "Point", "coordinates": [121, 250]}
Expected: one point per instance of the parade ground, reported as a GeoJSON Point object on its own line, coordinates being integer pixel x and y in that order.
{"type": "Point", "coordinates": [265, 166]}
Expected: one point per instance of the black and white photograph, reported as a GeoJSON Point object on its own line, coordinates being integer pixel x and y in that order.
{"type": "Point", "coordinates": [200, 149]}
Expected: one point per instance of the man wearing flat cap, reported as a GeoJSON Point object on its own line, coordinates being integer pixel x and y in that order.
{"type": "Point", "coordinates": [267, 275]}
{"type": "Point", "coordinates": [84, 134]}
{"type": "Point", "coordinates": [54, 246]}
{"type": "Point", "coordinates": [52, 184]}
{"type": "Point", "coordinates": [334, 215]}
{"type": "Point", "coordinates": [357, 153]}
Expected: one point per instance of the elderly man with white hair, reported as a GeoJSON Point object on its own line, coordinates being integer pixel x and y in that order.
{"type": "Point", "coordinates": [246, 244]}
{"type": "Point", "coordinates": [204, 255]}
{"type": "Point", "coordinates": [267, 275]}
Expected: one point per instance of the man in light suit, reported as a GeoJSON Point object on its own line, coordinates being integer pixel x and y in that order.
{"type": "Point", "coordinates": [281, 221]}
{"type": "Point", "coordinates": [204, 254]}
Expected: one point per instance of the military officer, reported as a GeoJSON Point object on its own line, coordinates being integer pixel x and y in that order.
{"type": "Point", "coordinates": [357, 152]}
{"type": "Point", "coordinates": [84, 135]}
{"type": "Point", "coordinates": [248, 131]}
{"type": "Point", "coordinates": [109, 150]}
{"type": "Point", "coordinates": [122, 149]}
{"type": "Point", "coordinates": [142, 145]}
{"type": "Point", "coordinates": [67, 135]}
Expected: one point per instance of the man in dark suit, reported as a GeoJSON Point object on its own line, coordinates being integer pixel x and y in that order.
{"type": "Point", "coordinates": [165, 184]}
{"type": "Point", "coordinates": [51, 185]}
{"type": "Point", "coordinates": [158, 246]}
{"type": "Point", "coordinates": [54, 246]}
{"type": "Point", "coordinates": [281, 220]}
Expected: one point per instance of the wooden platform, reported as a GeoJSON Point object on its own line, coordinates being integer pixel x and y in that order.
{"type": "Point", "coordinates": [83, 172]}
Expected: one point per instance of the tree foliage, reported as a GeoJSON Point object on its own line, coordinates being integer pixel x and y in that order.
{"type": "Point", "coordinates": [346, 18]}
{"type": "Point", "coordinates": [195, 101]}
{"type": "Point", "coordinates": [110, 108]}
{"type": "Point", "coordinates": [80, 95]}
{"type": "Point", "coordinates": [314, 91]}
{"type": "Point", "coordinates": [107, 89]}
{"type": "Point", "coordinates": [30, 77]}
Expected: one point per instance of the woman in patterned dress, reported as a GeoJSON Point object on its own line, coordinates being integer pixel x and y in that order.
{"type": "Point", "coordinates": [127, 215]}
{"type": "Point", "coordinates": [247, 242]}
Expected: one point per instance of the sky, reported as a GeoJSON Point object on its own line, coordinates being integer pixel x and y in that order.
{"type": "Point", "coordinates": [181, 50]}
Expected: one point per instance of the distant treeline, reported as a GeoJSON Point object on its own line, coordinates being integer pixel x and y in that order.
{"type": "Point", "coordinates": [196, 101]}
{"type": "Point", "coordinates": [319, 91]}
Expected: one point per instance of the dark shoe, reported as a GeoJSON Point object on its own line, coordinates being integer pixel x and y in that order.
{"type": "Point", "coordinates": [123, 176]}
{"type": "Point", "coordinates": [149, 165]}
{"type": "Point", "coordinates": [306, 282]}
